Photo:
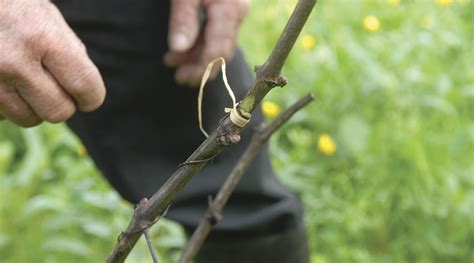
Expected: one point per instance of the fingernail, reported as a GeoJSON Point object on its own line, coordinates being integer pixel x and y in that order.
{"type": "Point", "coordinates": [180, 42]}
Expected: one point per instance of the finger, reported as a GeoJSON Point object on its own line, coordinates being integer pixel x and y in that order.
{"type": "Point", "coordinates": [220, 36]}
{"type": "Point", "coordinates": [68, 62]}
{"type": "Point", "coordinates": [183, 24]}
{"type": "Point", "coordinates": [182, 74]}
{"type": "Point", "coordinates": [191, 70]}
{"type": "Point", "coordinates": [77, 75]}
{"type": "Point", "coordinates": [47, 99]}
{"type": "Point", "coordinates": [175, 59]}
{"type": "Point", "coordinates": [64, 27]}
{"type": "Point", "coordinates": [191, 74]}
{"type": "Point", "coordinates": [14, 108]}
{"type": "Point", "coordinates": [185, 61]}
{"type": "Point", "coordinates": [221, 32]}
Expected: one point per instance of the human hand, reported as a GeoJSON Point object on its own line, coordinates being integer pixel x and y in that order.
{"type": "Point", "coordinates": [192, 48]}
{"type": "Point", "coordinates": [45, 71]}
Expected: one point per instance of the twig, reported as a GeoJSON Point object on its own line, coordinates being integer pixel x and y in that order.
{"type": "Point", "coordinates": [213, 214]}
{"type": "Point", "coordinates": [149, 243]}
{"type": "Point", "coordinates": [268, 77]}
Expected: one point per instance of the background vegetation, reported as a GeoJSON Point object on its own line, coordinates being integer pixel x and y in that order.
{"type": "Point", "coordinates": [383, 160]}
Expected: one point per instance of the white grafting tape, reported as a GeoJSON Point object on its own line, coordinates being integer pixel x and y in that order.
{"type": "Point", "coordinates": [235, 116]}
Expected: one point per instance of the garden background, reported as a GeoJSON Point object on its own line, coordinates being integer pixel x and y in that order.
{"type": "Point", "coordinates": [383, 160]}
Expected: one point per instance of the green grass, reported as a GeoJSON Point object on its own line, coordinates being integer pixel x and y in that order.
{"type": "Point", "coordinates": [398, 102]}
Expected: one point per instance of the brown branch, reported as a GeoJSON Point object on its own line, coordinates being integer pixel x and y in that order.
{"type": "Point", "coordinates": [214, 212]}
{"type": "Point", "coordinates": [268, 76]}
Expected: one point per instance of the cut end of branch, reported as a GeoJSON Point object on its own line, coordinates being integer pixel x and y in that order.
{"type": "Point", "coordinates": [229, 139]}
{"type": "Point", "coordinates": [228, 133]}
{"type": "Point", "coordinates": [281, 81]}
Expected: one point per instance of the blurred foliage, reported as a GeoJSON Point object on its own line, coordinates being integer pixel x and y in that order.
{"type": "Point", "coordinates": [383, 160]}
{"type": "Point", "coordinates": [395, 91]}
{"type": "Point", "coordinates": [55, 207]}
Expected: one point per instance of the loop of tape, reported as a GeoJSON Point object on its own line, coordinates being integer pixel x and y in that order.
{"type": "Point", "coordinates": [235, 116]}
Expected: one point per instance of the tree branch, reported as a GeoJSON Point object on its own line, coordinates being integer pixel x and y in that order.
{"type": "Point", "coordinates": [149, 243]}
{"type": "Point", "coordinates": [226, 133]}
{"type": "Point", "coordinates": [214, 212]}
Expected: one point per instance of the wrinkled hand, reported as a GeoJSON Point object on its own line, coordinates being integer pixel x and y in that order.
{"type": "Point", "coordinates": [45, 71]}
{"type": "Point", "coordinates": [192, 48]}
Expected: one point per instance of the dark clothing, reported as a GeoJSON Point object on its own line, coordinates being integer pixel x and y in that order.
{"type": "Point", "coordinates": [148, 125]}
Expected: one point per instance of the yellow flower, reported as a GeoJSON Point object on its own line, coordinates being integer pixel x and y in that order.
{"type": "Point", "coordinates": [393, 2]}
{"type": "Point", "coordinates": [444, 2]}
{"type": "Point", "coordinates": [371, 23]}
{"type": "Point", "coordinates": [308, 42]}
{"type": "Point", "coordinates": [81, 150]}
{"type": "Point", "coordinates": [326, 144]}
{"type": "Point", "coordinates": [270, 109]}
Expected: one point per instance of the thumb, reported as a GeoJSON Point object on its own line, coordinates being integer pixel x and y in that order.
{"type": "Point", "coordinates": [183, 24]}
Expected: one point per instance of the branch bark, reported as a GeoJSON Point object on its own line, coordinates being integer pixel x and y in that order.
{"type": "Point", "coordinates": [214, 212]}
{"type": "Point", "coordinates": [151, 248]}
{"type": "Point", "coordinates": [267, 77]}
